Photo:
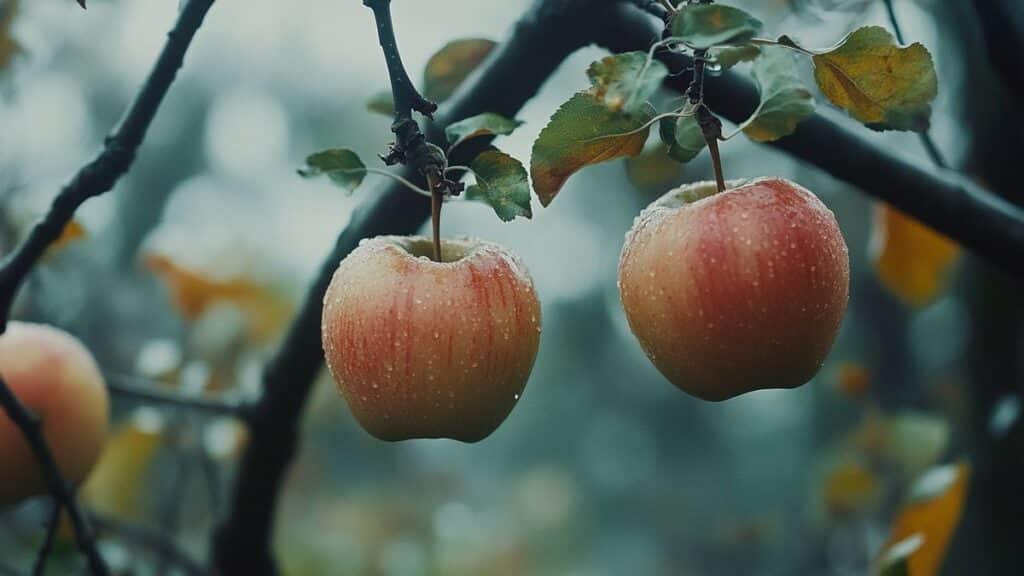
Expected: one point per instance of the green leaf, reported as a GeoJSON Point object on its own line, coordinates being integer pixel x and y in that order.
{"type": "Point", "coordinates": [653, 169]}
{"type": "Point", "coordinates": [883, 85]}
{"type": "Point", "coordinates": [381, 103]}
{"type": "Point", "coordinates": [341, 165]}
{"type": "Point", "coordinates": [502, 183]}
{"type": "Point", "coordinates": [624, 82]}
{"type": "Point", "coordinates": [683, 137]}
{"type": "Point", "coordinates": [583, 132]}
{"type": "Point", "coordinates": [785, 101]}
{"type": "Point", "coordinates": [702, 26]}
{"type": "Point", "coordinates": [729, 56]}
{"type": "Point", "coordinates": [486, 124]}
{"type": "Point", "coordinates": [452, 64]}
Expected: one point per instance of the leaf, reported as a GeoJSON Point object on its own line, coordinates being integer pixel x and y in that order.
{"type": "Point", "coordinates": [785, 102]}
{"type": "Point", "coordinates": [850, 487]}
{"type": "Point", "coordinates": [882, 85]}
{"type": "Point", "coordinates": [486, 124]}
{"type": "Point", "coordinates": [653, 169]}
{"type": "Point", "coordinates": [728, 56]}
{"type": "Point", "coordinates": [73, 231]}
{"type": "Point", "coordinates": [193, 294]}
{"type": "Point", "coordinates": [502, 183]}
{"type": "Point", "coordinates": [911, 260]}
{"type": "Point", "coordinates": [8, 47]}
{"type": "Point", "coordinates": [583, 132]}
{"type": "Point", "coordinates": [341, 165]}
{"type": "Point", "coordinates": [702, 26]}
{"type": "Point", "coordinates": [381, 103]}
{"type": "Point", "coordinates": [452, 64]}
{"type": "Point", "coordinates": [116, 485]}
{"type": "Point", "coordinates": [930, 516]}
{"type": "Point", "coordinates": [683, 136]}
{"type": "Point", "coordinates": [624, 82]}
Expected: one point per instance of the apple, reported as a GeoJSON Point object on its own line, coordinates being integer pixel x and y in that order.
{"type": "Point", "coordinates": [735, 291]}
{"type": "Point", "coordinates": [53, 375]}
{"type": "Point", "coordinates": [427, 349]}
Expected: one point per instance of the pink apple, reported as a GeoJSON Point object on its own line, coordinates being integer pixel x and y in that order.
{"type": "Point", "coordinates": [425, 349]}
{"type": "Point", "coordinates": [736, 291]}
{"type": "Point", "coordinates": [57, 378]}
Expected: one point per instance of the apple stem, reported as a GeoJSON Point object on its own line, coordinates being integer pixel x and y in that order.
{"type": "Point", "coordinates": [436, 202]}
{"type": "Point", "coordinates": [716, 161]}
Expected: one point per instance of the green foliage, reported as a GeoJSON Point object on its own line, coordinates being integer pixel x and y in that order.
{"type": "Point", "coordinates": [883, 85]}
{"type": "Point", "coordinates": [624, 82]}
{"type": "Point", "coordinates": [341, 165]}
{"type": "Point", "coordinates": [729, 56]}
{"type": "Point", "coordinates": [486, 124]}
{"type": "Point", "coordinates": [583, 132]}
{"type": "Point", "coordinates": [502, 183]}
{"type": "Point", "coordinates": [785, 101]}
{"type": "Point", "coordinates": [683, 137]}
{"type": "Point", "coordinates": [702, 26]}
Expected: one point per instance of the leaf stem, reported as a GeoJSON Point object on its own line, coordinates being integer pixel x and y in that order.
{"type": "Point", "coordinates": [436, 202]}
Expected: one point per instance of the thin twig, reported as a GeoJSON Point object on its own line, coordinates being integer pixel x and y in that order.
{"type": "Point", "coordinates": [32, 429]}
{"type": "Point", "coordinates": [149, 539]}
{"type": "Point", "coordinates": [141, 389]}
{"type": "Point", "coordinates": [93, 179]}
{"type": "Point", "coordinates": [926, 138]}
{"type": "Point", "coordinates": [436, 202]}
{"type": "Point", "coordinates": [52, 525]}
{"type": "Point", "coordinates": [100, 175]}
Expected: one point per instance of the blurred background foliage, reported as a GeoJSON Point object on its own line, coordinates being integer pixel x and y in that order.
{"type": "Point", "coordinates": [188, 272]}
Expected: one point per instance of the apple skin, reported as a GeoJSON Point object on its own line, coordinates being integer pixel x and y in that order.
{"type": "Point", "coordinates": [738, 291]}
{"type": "Point", "coordinates": [425, 349]}
{"type": "Point", "coordinates": [53, 375]}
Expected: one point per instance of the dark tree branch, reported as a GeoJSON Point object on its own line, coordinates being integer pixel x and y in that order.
{"type": "Point", "coordinates": [32, 428]}
{"type": "Point", "coordinates": [141, 390]}
{"type": "Point", "coordinates": [512, 74]}
{"type": "Point", "coordinates": [149, 539]}
{"type": "Point", "coordinates": [117, 156]}
{"type": "Point", "coordinates": [52, 524]}
{"type": "Point", "coordinates": [92, 180]}
{"type": "Point", "coordinates": [944, 200]}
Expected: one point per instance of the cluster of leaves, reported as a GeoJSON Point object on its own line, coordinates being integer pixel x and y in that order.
{"type": "Point", "coordinates": [501, 180]}
{"type": "Point", "coordinates": [879, 83]}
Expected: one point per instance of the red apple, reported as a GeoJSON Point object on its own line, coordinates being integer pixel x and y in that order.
{"type": "Point", "coordinates": [425, 349]}
{"type": "Point", "coordinates": [57, 378]}
{"type": "Point", "coordinates": [736, 291]}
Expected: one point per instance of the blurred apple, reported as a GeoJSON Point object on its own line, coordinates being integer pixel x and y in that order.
{"type": "Point", "coordinates": [425, 349]}
{"type": "Point", "coordinates": [57, 378]}
{"type": "Point", "coordinates": [736, 291]}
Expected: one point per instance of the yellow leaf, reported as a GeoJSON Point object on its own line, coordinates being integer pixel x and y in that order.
{"type": "Point", "coordinates": [911, 260]}
{"type": "Point", "coordinates": [452, 64]}
{"type": "Point", "coordinates": [193, 293]}
{"type": "Point", "coordinates": [881, 84]}
{"type": "Point", "coordinates": [116, 485]}
{"type": "Point", "coordinates": [929, 519]}
{"type": "Point", "coordinates": [8, 47]}
{"type": "Point", "coordinates": [72, 232]}
{"type": "Point", "coordinates": [850, 487]}
{"type": "Point", "coordinates": [908, 442]}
